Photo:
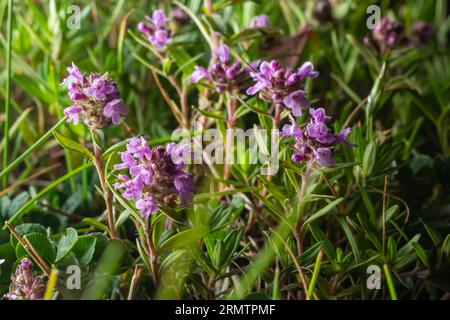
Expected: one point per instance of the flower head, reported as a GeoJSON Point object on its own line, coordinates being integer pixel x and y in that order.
{"type": "Point", "coordinates": [155, 176]}
{"type": "Point", "coordinates": [282, 86]}
{"type": "Point", "coordinates": [25, 285]}
{"type": "Point", "coordinates": [156, 31]}
{"type": "Point", "coordinates": [315, 143]}
{"type": "Point", "coordinates": [261, 21]}
{"type": "Point", "coordinates": [386, 35]}
{"type": "Point", "coordinates": [96, 99]}
{"type": "Point", "coordinates": [422, 31]}
{"type": "Point", "coordinates": [224, 74]}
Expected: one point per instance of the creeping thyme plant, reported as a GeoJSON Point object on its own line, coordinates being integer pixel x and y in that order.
{"type": "Point", "coordinates": [224, 150]}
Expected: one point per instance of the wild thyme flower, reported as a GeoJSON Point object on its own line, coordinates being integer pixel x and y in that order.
{"type": "Point", "coordinates": [96, 99]}
{"type": "Point", "coordinates": [25, 285]}
{"type": "Point", "coordinates": [261, 21]}
{"type": "Point", "coordinates": [225, 75]}
{"type": "Point", "coordinates": [156, 31]}
{"type": "Point", "coordinates": [180, 16]}
{"type": "Point", "coordinates": [282, 86]}
{"type": "Point", "coordinates": [155, 176]}
{"type": "Point", "coordinates": [315, 143]}
{"type": "Point", "coordinates": [422, 31]}
{"type": "Point", "coordinates": [386, 35]}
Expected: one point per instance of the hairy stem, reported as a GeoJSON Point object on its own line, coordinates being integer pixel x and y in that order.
{"type": "Point", "coordinates": [98, 162]}
{"type": "Point", "coordinates": [231, 110]}
{"type": "Point", "coordinates": [153, 253]}
{"type": "Point", "coordinates": [301, 208]}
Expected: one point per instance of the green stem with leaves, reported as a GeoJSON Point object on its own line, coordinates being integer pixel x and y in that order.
{"type": "Point", "coordinates": [98, 162]}
{"type": "Point", "coordinates": [301, 208]}
{"type": "Point", "coordinates": [153, 253]}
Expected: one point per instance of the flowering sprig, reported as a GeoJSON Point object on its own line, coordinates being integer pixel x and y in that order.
{"type": "Point", "coordinates": [156, 31]}
{"type": "Point", "coordinates": [96, 99]}
{"type": "Point", "coordinates": [386, 35]}
{"type": "Point", "coordinates": [315, 143]}
{"type": "Point", "coordinates": [155, 176]}
{"type": "Point", "coordinates": [25, 285]}
{"type": "Point", "coordinates": [224, 74]}
{"type": "Point", "coordinates": [282, 87]}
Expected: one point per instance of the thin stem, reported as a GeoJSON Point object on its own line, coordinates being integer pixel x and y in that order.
{"type": "Point", "coordinates": [301, 207]}
{"type": "Point", "coordinates": [7, 93]}
{"type": "Point", "coordinates": [153, 253]}
{"type": "Point", "coordinates": [231, 110]}
{"type": "Point", "coordinates": [32, 252]}
{"type": "Point", "coordinates": [98, 162]}
{"type": "Point", "coordinates": [183, 100]}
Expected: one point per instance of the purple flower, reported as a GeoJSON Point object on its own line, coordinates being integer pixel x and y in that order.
{"type": "Point", "coordinates": [423, 31]}
{"type": "Point", "coordinates": [25, 285]}
{"type": "Point", "coordinates": [315, 143]}
{"type": "Point", "coordinates": [96, 99]}
{"type": "Point", "coordinates": [199, 74]}
{"type": "Point", "coordinates": [147, 206]}
{"type": "Point", "coordinates": [156, 32]}
{"type": "Point", "coordinates": [114, 109]}
{"type": "Point", "coordinates": [224, 74]}
{"type": "Point", "coordinates": [386, 35]}
{"type": "Point", "coordinates": [160, 38]}
{"type": "Point", "coordinates": [73, 114]}
{"type": "Point", "coordinates": [282, 86]}
{"type": "Point", "coordinates": [261, 21]}
{"type": "Point", "coordinates": [223, 53]}
{"type": "Point", "coordinates": [307, 71]}
{"type": "Point", "coordinates": [296, 101]}
{"type": "Point", "coordinates": [155, 176]}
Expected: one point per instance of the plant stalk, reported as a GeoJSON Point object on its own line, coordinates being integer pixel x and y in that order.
{"type": "Point", "coordinates": [301, 208]}
{"type": "Point", "coordinates": [98, 162]}
{"type": "Point", "coordinates": [152, 252]}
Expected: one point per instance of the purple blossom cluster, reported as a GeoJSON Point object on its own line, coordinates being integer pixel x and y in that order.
{"type": "Point", "coordinates": [282, 86]}
{"type": "Point", "coordinates": [261, 21]}
{"type": "Point", "coordinates": [315, 143]}
{"type": "Point", "coordinates": [156, 31]}
{"type": "Point", "coordinates": [224, 74]}
{"type": "Point", "coordinates": [155, 176]}
{"type": "Point", "coordinates": [387, 34]}
{"type": "Point", "coordinates": [25, 285]}
{"type": "Point", "coordinates": [96, 99]}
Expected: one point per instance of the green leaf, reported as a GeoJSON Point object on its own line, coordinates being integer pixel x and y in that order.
{"type": "Point", "coordinates": [72, 145]}
{"type": "Point", "coordinates": [17, 203]}
{"type": "Point", "coordinates": [96, 224]}
{"type": "Point", "coordinates": [66, 243]}
{"type": "Point", "coordinates": [42, 245]}
{"type": "Point", "coordinates": [84, 249]}
{"type": "Point", "coordinates": [351, 239]}
{"type": "Point", "coordinates": [421, 253]}
{"type": "Point", "coordinates": [25, 229]}
{"type": "Point", "coordinates": [322, 211]}
{"type": "Point", "coordinates": [185, 237]}
{"type": "Point", "coordinates": [446, 245]}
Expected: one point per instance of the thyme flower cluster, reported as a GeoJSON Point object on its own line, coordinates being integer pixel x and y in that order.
{"type": "Point", "coordinates": [315, 143]}
{"type": "Point", "coordinates": [155, 176]}
{"type": "Point", "coordinates": [224, 74]}
{"type": "Point", "coordinates": [156, 31]}
{"type": "Point", "coordinates": [282, 87]}
{"type": "Point", "coordinates": [96, 99]}
{"type": "Point", "coordinates": [25, 285]}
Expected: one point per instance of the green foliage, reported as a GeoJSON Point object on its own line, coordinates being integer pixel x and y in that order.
{"type": "Point", "coordinates": [385, 203]}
